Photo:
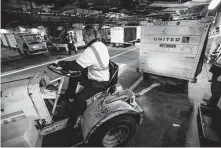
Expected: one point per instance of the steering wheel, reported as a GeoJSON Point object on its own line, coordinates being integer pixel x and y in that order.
{"type": "Point", "coordinates": [59, 70]}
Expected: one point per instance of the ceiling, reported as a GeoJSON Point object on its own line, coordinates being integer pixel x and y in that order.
{"type": "Point", "coordinates": [93, 11]}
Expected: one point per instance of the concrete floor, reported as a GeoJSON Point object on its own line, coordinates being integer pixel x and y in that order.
{"type": "Point", "coordinates": [197, 91]}
{"type": "Point", "coordinates": [170, 115]}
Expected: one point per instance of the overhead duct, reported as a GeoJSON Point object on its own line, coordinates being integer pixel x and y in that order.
{"type": "Point", "coordinates": [168, 3]}
{"type": "Point", "coordinates": [110, 3]}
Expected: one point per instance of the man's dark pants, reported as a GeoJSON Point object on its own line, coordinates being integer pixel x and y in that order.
{"type": "Point", "coordinates": [215, 90]}
{"type": "Point", "coordinates": [80, 98]}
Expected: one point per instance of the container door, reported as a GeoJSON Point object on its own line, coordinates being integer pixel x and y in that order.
{"type": "Point", "coordinates": [117, 34]}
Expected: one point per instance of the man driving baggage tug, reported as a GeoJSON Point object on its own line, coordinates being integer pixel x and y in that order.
{"type": "Point", "coordinates": [94, 62]}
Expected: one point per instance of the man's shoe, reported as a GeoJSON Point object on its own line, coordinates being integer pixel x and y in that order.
{"type": "Point", "coordinates": [206, 100]}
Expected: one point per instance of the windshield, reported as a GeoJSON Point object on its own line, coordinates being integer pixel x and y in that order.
{"type": "Point", "coordinates": [32, 39]}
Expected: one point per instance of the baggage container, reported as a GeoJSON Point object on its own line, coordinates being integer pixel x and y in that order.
{"type": "Point", "coordinates": [105, 35]}
{"type": "Point", "coordinates": [123, 35]}
{"type": "Point", "coordinates": [60, 38]}
{"type": "Point", "coordinates": [80, 42]}
{"type": "Point", "coordinates": [173, 48]}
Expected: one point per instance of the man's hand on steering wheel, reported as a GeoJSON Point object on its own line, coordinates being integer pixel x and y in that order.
{"type": "Point", "coordinates": [66, 68]}
{"type": "Point", "coordinates": [61, 63]}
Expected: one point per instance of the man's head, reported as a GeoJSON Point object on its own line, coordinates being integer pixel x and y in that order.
{"type": "Point", "coordinates": [89, 33]}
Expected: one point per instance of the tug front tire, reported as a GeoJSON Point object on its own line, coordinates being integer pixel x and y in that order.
{"type": "Point", "coordinates": [115, 132]}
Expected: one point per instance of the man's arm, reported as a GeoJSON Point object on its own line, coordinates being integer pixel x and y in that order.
{"type": "Point", "coordinates": [70, 65]}
{"type": "Point", "coordinates": [86, 59]}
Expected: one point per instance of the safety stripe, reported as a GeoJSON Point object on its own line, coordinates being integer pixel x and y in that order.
{"type": "Point", "coordinates": [98, 57]}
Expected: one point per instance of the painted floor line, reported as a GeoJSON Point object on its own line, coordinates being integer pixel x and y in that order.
{"type": "Point", "coordinates": [17, 71]}
{"type": "Point", "coordinates": [123, 53]}
{"type": "Point", "coordinates": [136, 83]}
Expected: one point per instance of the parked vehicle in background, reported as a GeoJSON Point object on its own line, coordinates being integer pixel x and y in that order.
{"type": "Point", "coordinates": [105, 35]}
{"type": "Point", "coordinates": [79, 37]}
{"type": "Point", "coordinates": [31, 44]}
{"type": "Point", "coordinates": [22, 43]}
{"type": "Point", "coordinates": [123, 35]}
{"type": "Point", "coordinates": [60, 38]}
{"type": "Point", "coordinates": [8, 47]}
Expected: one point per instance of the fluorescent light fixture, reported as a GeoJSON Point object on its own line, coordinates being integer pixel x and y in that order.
{"type": "Point", "coordinates": [34, 30]}
{"type": "Point", "coordinates": [4, 31]}
{"type": "Point", "coordinates": [213, 4]}
{"type": "Point", "coordinates": [21, 28]}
